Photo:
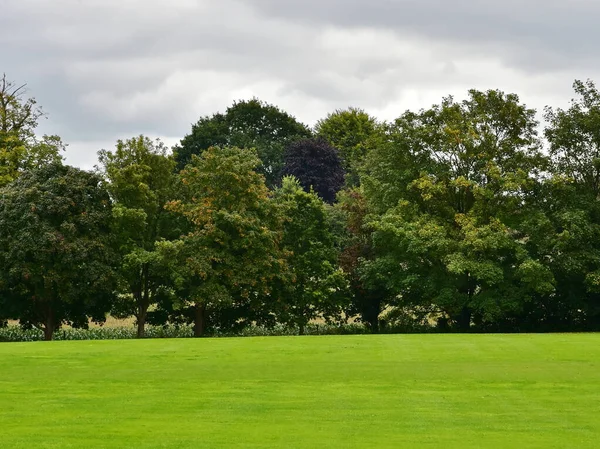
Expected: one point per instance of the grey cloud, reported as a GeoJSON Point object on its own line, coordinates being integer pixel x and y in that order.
{"type": "Point", "coordinates": [106, 69]}
{"type": "Point", "coordinates": [538, 34]}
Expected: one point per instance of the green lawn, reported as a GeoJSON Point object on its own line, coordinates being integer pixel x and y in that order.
{"type": "Point", "coordinates": [463, 391]}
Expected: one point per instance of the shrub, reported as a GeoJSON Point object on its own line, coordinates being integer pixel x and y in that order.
{"type": "Point", "coordinates": [14, 333]}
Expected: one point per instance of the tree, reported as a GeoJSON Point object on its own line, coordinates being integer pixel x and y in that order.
{"type": "Point", "coordinates": [318, 288]}
{"type": "Point", "coordinates": [354, 133]}
{"type": "Point", "coordinates": [245, 124]}
{"type": "Point", "coordinates": [368, 295]}
{"type": "Point", "coordinates": [316, 165]}
{"type": "Point", "coordinates": [562, 229]}
{"type": "Point", "coordinates": [450, 191]}
{"type": "Point", "coordinates": [140, 182]}
{"type": "Point", "coordinates": [20, 149]}
{"type": "Point", "coordinates": [233, 249]}
{"type": "Point", "coordinates": [571, 209]}
{"type": "Point", "coordinates": [574, 139]}
{"type": "Point", "coordinates": [56, 249]}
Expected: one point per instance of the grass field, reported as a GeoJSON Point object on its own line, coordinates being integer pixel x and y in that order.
{"type": "Point", "coordinates": [415, 391]}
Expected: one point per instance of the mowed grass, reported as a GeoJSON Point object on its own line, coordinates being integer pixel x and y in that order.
{"type": "Point", "coordinates": [413, 391]}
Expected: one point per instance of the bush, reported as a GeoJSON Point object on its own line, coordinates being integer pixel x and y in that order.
{"type": "Point", "coordinates": [14, 333]}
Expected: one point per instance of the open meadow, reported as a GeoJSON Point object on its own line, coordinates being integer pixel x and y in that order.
{"type": "Point", "coordinates": [446, 391]}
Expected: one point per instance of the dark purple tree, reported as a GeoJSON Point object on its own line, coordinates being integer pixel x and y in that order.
{"type": "Point", "coordinates": [315, 163]}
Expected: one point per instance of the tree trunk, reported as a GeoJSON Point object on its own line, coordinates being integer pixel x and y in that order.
{"type": "Point", "coordinates": [48, 332]}
{"type": "Point", "coordinates": [49, 325]}
{"type": "Point", "coordinates": [463, 321]}
{"type": "Point", "coordinates": [374, 324]}
{"type": "Point", "coordinates": [301, 329]}
{"type": "Point", "coordinates": [371, 308]}
{"type": "Point", "coordinates": [200, 320]}
{"type": "Point", "coordinates": [143, 300]}
{"type": "Point", "coordinates": [141, 322]}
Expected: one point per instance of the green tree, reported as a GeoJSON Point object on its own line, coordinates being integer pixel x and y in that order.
{"type": "Point", "coordinates": [20, 148]}
{"type": "Point", "coordinates": [233, 249]}
{"type": "Point", "coordinates": [449, 191]}
{"type": "Point", "coordinates": [318, 287]}
{"type": "Point", "coordinates": [562, 225]}
{"type": "Point", "coordinates": [245, 124]}
{"type": "Point", "coordinates": [369, 296]}
{"type": "Point", "coordinates": [140, 182]}
{"type": "Point", "coordinates": [354, 133]}
{"type": "Point", "coordinates": [56, 248]}
{"type": "Point", "coordinates": [570, 205]}
{"type": "Point", "coordinates": [574, 139]}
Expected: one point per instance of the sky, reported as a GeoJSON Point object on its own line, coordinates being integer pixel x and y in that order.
{"type": "Point", "coordinates": [112, 69]}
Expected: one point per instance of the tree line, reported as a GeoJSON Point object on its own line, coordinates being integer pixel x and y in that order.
{"type": "Point", "coordinates": [466, 216]}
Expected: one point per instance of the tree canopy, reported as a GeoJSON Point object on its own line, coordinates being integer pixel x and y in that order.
{"type": "Point", "coordinates": [354, 133]}
{"type": "Point", "coordinates": [20, 148]}
{"type": "Point", "coordinates": [56, 248]}
{"type": "Point", "coordinates": [233, 248]}
{"type": "Point", "coordinates": [450, 237]}
{"type": "Point", "coordinates": [458, 217]}
{"type": "Point", "coordinates": [245, 124]}
{"type": "Point", "coordinates": [316, 165]}
{"type": "Point", "coordinates": [140, 182]}
{"type": "Point", "coordinates": [318, 287]}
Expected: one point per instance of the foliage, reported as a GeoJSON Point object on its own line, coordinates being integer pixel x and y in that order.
{"type": "Point", "coordinates": [20, 148]}
{"type": "Point", "coordinates": [574, 139]}
{"type": "Point", "coordinates": [55, 248]}
{"type": "Point", "coordinates": [354, 133]}
{"type": "Point", "coordinates": [369, 294]}
{"type": "Point", "coordinates": [141, 182]}
{"type": "Point", "coordinates": [568, 232]}
{"type": "Point", "coordinates": [18, 333]}
{"type": "Point", "coordinates": [454, 217]}
{"type": "Point", "coordinates": [233, 249]}
{"type": "Point", "coordinates": [245, 124]}
{"type": "Point", "coordinates": [15, 333]}
{"type": "Point", "coordinates": [318, 288]}
{"type": "Point", "coordinates": [450, 237]}
{"type": "Point", "coordinates": [316, 165]}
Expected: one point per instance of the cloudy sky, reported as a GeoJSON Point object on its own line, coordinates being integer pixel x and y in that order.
{"type": "Point", "coordinates": [109, 69]}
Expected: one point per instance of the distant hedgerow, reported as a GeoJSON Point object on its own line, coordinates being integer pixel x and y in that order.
{"type": "Point", "coordinates": [17, 334]}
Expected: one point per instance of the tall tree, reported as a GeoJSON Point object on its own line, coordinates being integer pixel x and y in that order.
{"type": "Point", "coordinates": [570, 241]}
{"type": "Point", "coordinates": [245, 124]}
{"type": "Point", "coordinates": [141, 182]}
{"type": "Point", "coordinates": [562, 225]}
{"type": "Point", "coordinates": [447, 229]}
{"type": "Point", "coordinates": [233, 249]}
{"type": "Point", "coordinates": [319, 287]}
{"type": "Point", "coordinates": [316, 165]}
{"type": "Point", "coordinates": [55, 248]}
{"type": "Point", "coordinates": [354, 133]}
{"type": "Point", "coordinates": [20, 148]}
{"type": "Point", "coordinates": [369, 295]}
